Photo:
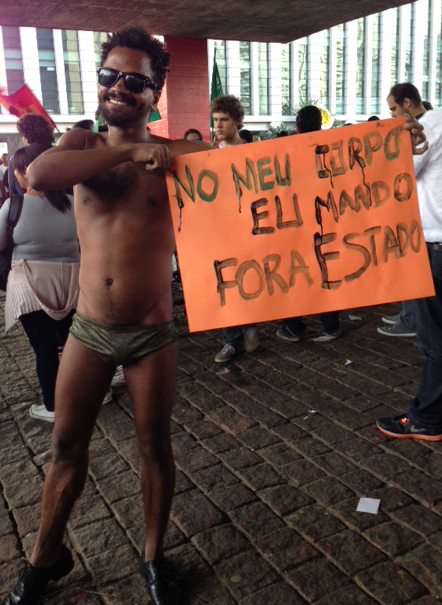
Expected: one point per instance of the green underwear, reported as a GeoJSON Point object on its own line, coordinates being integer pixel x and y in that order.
{"type": "Point", "coordinates": [121, 345]}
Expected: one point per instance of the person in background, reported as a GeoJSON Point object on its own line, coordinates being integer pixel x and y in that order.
{"type": "Point", "coordinates": [428, 106]}
{"type": "Point", "coordinates": [246, 135]}
{"type": "Point", "coordinates": [373, 119]}
{"type": "Point", "coordinates": [193, 135]}
{"type": "Point", "coordinates": [4, 189]}
{"type": "Point", "coordinates": [42, 288]}
{"type": "Point", "coordinates": [85, 124]}
{"type": "Point", "coordinates": [227, 114]}
{"type": "Point", "coordinates": [309, 119]}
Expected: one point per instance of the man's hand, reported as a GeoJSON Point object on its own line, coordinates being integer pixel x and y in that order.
{"type": "Point", "coordinates": [416, 131]}
{"type": "Point", "coordinates": [154, 156]}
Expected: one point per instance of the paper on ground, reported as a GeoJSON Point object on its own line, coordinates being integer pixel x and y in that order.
{"type": "Point", "coordinates": [368, 505]}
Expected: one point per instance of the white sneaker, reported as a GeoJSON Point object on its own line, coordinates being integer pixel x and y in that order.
{"type": "Point", "coordinates": [108, 397]}
{"type": "Point", "coordinates": [39, 412]}
{"type": "Point", "coordinates": [118, 380]}
{"type": "Point", "coordinates": [226, 354]}
{"type": "Point", "coordinates": [251, 339]}
{"type": "Point", "coordinates": [327, 337]}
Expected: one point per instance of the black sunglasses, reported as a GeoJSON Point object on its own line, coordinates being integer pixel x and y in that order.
{"type": "Point", "coordinates": [135, 83]}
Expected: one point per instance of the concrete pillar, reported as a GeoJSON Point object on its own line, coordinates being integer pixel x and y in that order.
{"type": "Point", "coordinates": [31, 66]}
{"type": "Point", "coordinates": [350, 65]}
{"type": "Point", "coordinates": [233, 68]}
{"type": "Point", "coordinates": [61, 77]}
{"type": "Point", "coordinates": [86, 53]}
{"type": "Point", "coordinates": [275, 82]}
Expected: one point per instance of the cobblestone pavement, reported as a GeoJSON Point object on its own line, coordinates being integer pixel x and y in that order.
{"type": "Point", "coordinates": [266, 495]}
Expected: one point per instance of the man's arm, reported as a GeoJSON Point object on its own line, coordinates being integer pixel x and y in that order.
{"type": "Point", "coordinates": [70, 162]}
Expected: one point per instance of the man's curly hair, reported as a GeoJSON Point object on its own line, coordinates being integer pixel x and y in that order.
{"type": "Point", "coordinates": [137, 38]}
{"type": "Point", "coordinates": [230, 105]}
{"type": "Point", "coordinates": [36, 129]}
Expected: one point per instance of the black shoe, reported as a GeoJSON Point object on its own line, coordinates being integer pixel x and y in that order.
{"type": "Point", "coordinates": [403, 428]}
{"type": "Point", "coordinates": [161, 589]}
{"type": "Point", "coordinates": [33, 580]}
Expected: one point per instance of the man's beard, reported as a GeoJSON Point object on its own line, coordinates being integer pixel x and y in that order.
{"type": "Point", "coordinates": [125, 120]}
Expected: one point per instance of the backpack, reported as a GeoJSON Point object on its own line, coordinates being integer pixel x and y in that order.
{"type": "Point", "coordinates": [6, 254]}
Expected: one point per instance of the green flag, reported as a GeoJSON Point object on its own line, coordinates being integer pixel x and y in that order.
{"type": "Point", "coordinates": [217, 87]}
{"type": "Point", "coordinates": [154, 116]}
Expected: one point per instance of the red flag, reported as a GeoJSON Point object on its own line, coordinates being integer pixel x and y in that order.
{"type": "Point", "coordinates": [23, 101]}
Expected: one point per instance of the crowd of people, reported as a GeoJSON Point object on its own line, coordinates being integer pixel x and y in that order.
{"type": "Point", "coordinates": [107, 314]}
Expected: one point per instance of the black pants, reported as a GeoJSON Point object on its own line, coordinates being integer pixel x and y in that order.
{"type": "Point", "coordinates": [46, 335]}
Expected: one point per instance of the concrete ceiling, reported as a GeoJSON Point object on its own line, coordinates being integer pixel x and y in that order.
{"type": "Point", "coordinates": [257, 20]}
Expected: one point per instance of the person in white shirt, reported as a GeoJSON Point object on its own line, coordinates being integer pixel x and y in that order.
{"type": "Point", "coordinates": [423, 420]}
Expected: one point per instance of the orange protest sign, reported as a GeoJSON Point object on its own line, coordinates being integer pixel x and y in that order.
{"type": "Point", "coordinates": [318, 222]}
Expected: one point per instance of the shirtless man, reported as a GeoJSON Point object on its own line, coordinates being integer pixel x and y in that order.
{"type": "Point", "coordinates": [125, 307]}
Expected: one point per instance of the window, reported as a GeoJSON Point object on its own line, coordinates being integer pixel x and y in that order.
{"type": "Point", "coordinates": [407, 14]}
{"type": "Point", "coordinates": [375, 70]}
{"type": "Point", "coordinates": [263, 78]}
{"type": "Point", "coordinates": [324, 61]}
{"type": "Point", "coordinates": [394, 72]}
{"type": "Point", "coordinates": [221, 61]}
{"type": "Point", "coordinates": [245, 74]}
{"type": "Point", "coordinates": [302, 73]}
{"type": "Point", "coordinates": [72, 72]}
{"type": "Point", "coordinates": [340, 69]}
{"type": "Point", "coordinates": [13, 58]}
{"type": "Point", "coordinates": [424, 9]}
{"type": "Point", "coordinates": [286, 79]}
{"type": "Point", "coordinates": [99, 38]}
{"type": "Point", "coordinates": [48, 74]}
{"type": "Point", "coordinates": [360, 67]}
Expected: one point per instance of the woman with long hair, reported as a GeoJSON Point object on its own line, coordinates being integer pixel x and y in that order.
{"type": "Point", "coordinates": [42, 288]}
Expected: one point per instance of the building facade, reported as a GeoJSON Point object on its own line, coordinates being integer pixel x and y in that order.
{"type": "Point", "coordinates": [348, 69]}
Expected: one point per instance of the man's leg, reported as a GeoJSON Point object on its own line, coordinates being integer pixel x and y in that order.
{"type": "Point", "coordinates": [405, 326]}
{"type": "Point", "coordinates": [293, 329]}
{"type": "Point", "coordinates": [233, 339]}
{"type": "Point", "coordinates": [82, 381]}
{"type": "Point", "coordinates": [151, 387]}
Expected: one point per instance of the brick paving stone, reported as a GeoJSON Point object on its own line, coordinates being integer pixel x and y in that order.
{"type": "Point", "coordinates": [334, 464]}
{"type": "Point", "coordinates": [119, 486]}
{"type": "Point", "coordinates": [240, 457]}
{"type": "Point", "coordinates": [103, 568]}
{"type": "Point", "coordinates": [316, 578]}
{"type": "Point", "coordinates": [424, 563]}
{"type": "Point", "coordinates": [193, 512]}
{"type": "Point", "coordinates": [285, 549]}
{"type": "Point", "coordinates": [392, 538]}
{"type": "Point", "coordinates": [202, 429]}
{"type": "Point", "coordinates": [310, 447]}
{"type": "Point", "coordinates": [260, 476]}
{"type": "Point", "coordinates": [220, 543]}
{"type": "Point", "coordinates": [213, 478]}
{"type": "Point", "coordinates": [357, 449]}
{"type": "Point", "coordinates": [232, 496]}
{"type": "Point", "coordinates": [9, 548]}
{"type": "Point", "coordinates": [256, 519]}
{"type": "Point", "coordinates": [301, 472]}
{"type": "Point", "coordinates": [27, 519]}
{"type": "Point", "coordinates": [361, 482]}
{"type": "Point", "coordinates": [284, 499]}
{"type": "Point", "coordinates": [257, 438]}
{"type": "Point", "coordinates": [6, 526]}
{"type": "Point", "coordinates": [391, 498]}
{"type": "Point", "coordinates": [419, 518]}
{"type": "Point", "coordinates": [279, 454]}
{"type": "Point", "coordinates": [279, 593]}
{"type": "Point", "coordinates": [98, 537]}
{"type": "Point", "coordinates": [21, 493]}
{"type": "Point", "coordinates": [420, 486]}
{"type": "Point", "coordinates": [331, 433]}
{"type": "Point", "coordinates": [73, 596]}
{"type": "Point", "coordinates": [126, 590]}
{"type": "Point", "coordinates": [315, 522]}
{"type": "Point", "coordinates": [129, 511]}
{"type": "Point", "coordinates": [385, 465]}
{"type": "Point", "coordinates": [101, 467]}
{"type": "Point", "coordinates": [347, 596]}
{"type": "Point", "coordinates": [328, 491]}
{"type": "Point", "coordinates": [182, 483]}
{"type": "Point", "coordinates": [245, 573]}
{"type": "Point", "coordinates": [198, 458]}
{"type": "Point", "coordinates": [350, 552]}
{"type": "Point", "coordinates": [220, 443]}
{"type": "Point", "coordinates": [390, 584]}
{"type": "Point", "coordinates": [209, 589]}
{"type": "Point", "coordinates": [231, 420]}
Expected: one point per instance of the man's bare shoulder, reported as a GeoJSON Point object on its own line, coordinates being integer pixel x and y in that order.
{"type": "Point", "coordinates": [181, 146]}
{"type": "Point", "coordinates": [78, 139]}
